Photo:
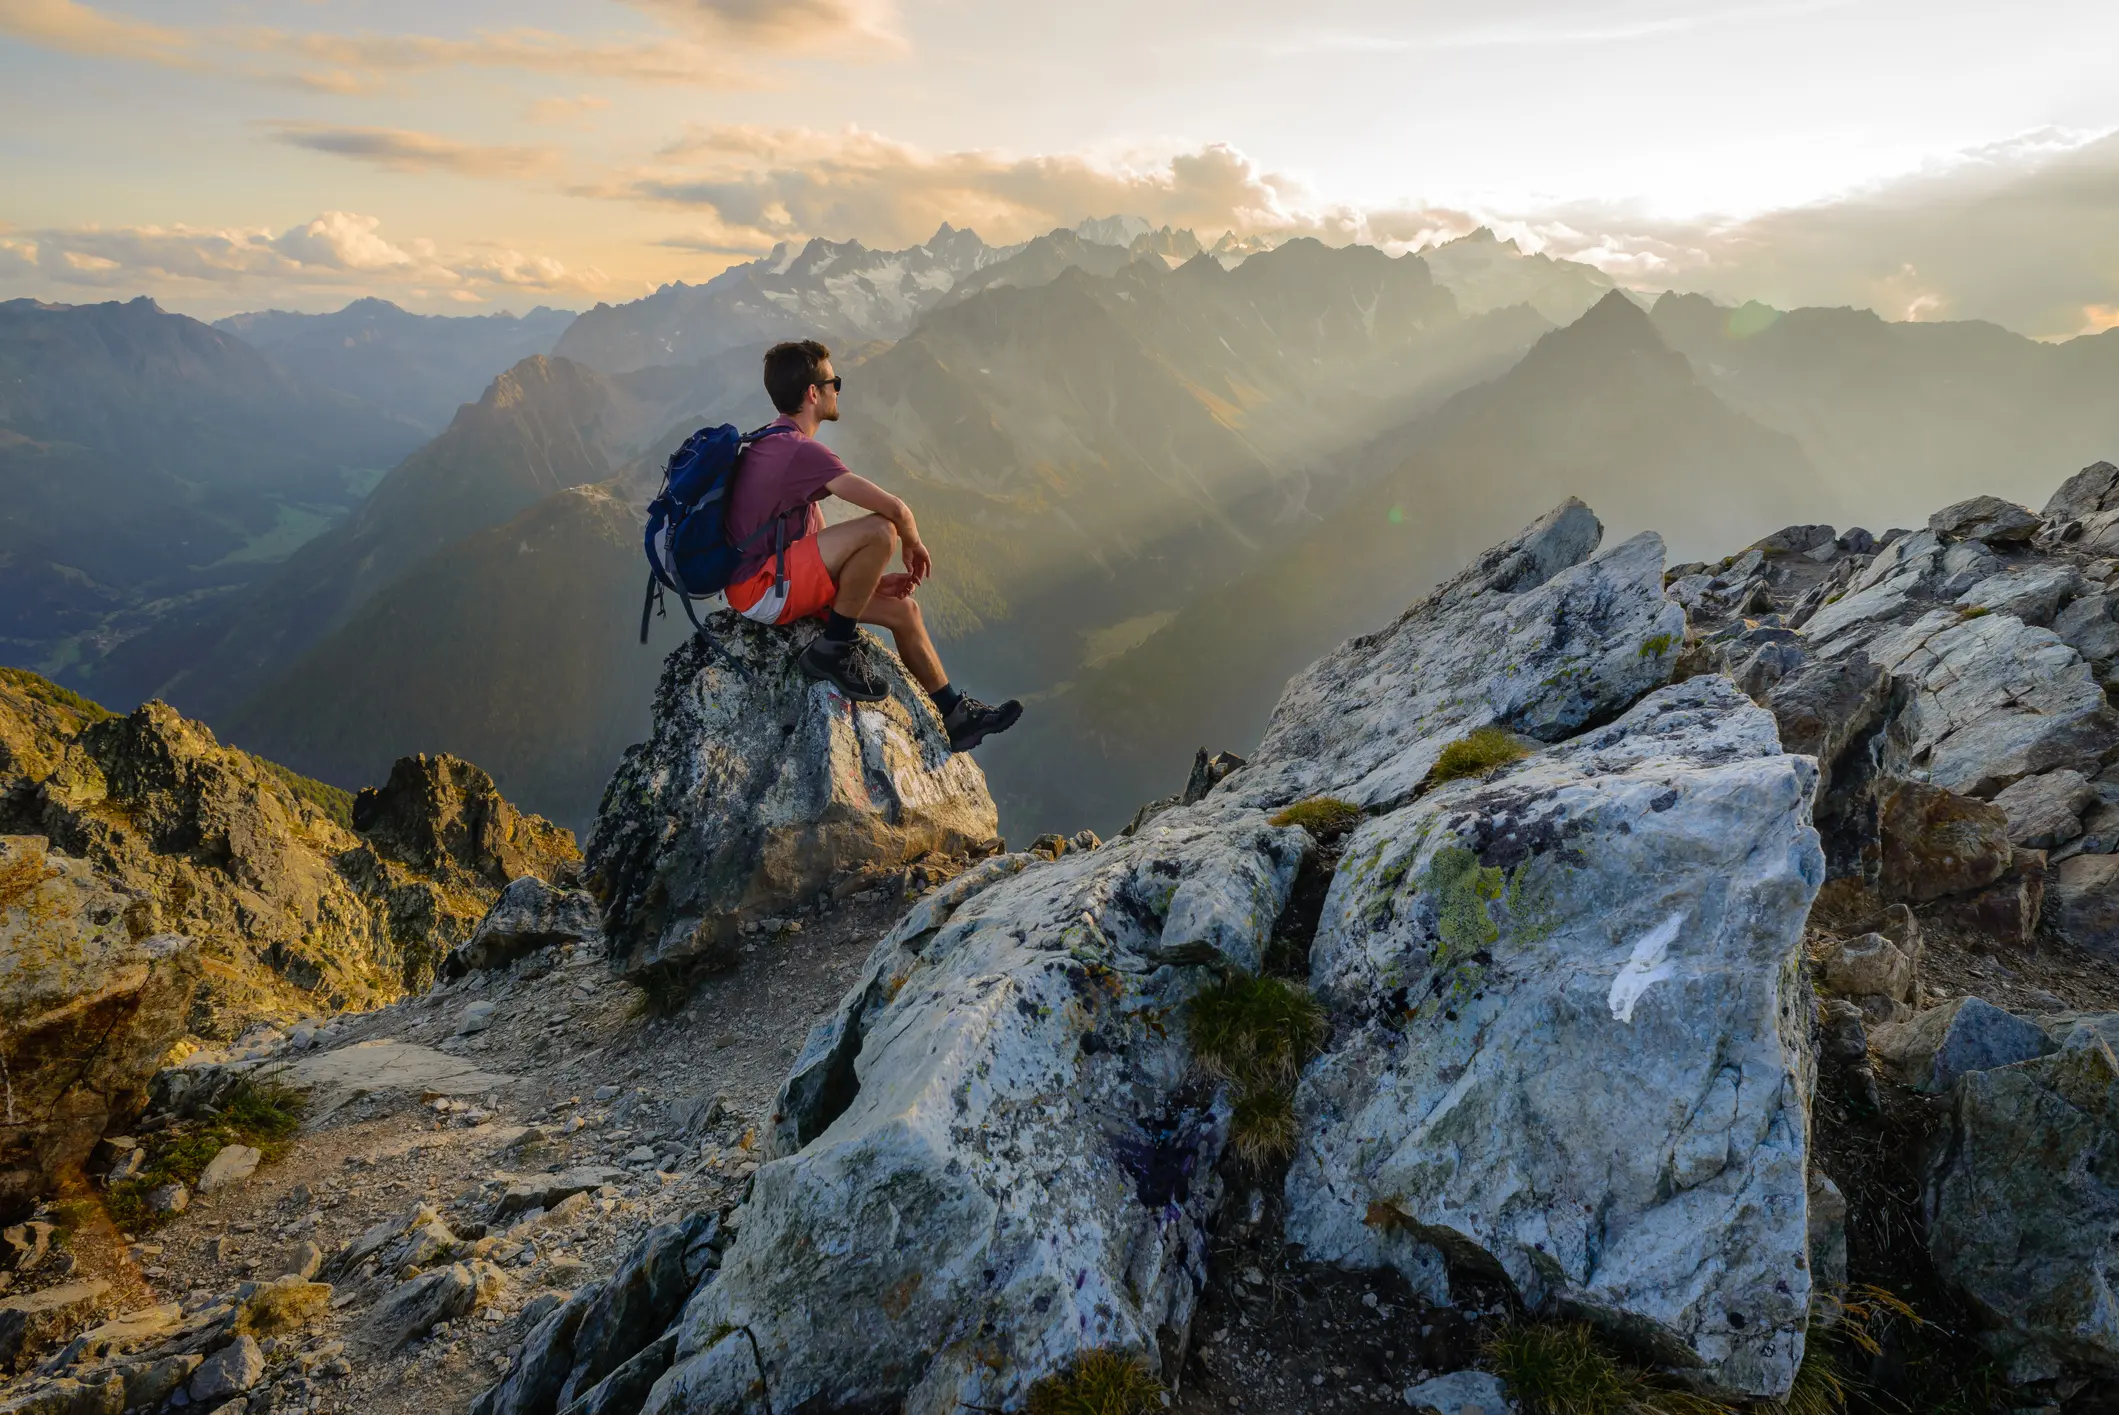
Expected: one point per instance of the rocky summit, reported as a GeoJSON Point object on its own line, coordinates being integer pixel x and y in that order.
{"type": "Point", "coordinates": [760, 787]}
{"type": "Point", "coordinates": [1696, 975]}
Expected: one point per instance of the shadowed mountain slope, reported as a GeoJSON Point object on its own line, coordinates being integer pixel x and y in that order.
{"type": "Point", "coordinates": [1601, 409]}
{"type": "Point", "coordinates": [146, 457]}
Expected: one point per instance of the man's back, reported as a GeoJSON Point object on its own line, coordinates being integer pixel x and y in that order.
{"type": "Point", "coordinates": [780, 473]}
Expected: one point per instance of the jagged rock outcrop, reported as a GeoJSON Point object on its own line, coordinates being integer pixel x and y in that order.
{"type": "Point", "coordinates": [1573, 1036]}
{"type": "Point", "coordinates": [1000, 1152]}
{"type": "Point", "coordinates": [1534, 636]}
{"type": "Point", "coordinates": [760, 788]}
{"type": "Point", "coordinates": [1989, 642]}
{"type": "Point", "coordinates": [305, 900]}
{"type": "Point", "coordinates": [940, 1225]}
{"type": "Point", "coordinates": [90, 1002]}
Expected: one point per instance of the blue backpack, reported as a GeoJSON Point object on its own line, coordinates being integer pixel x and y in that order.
{"type": "Point", "coordinates": [688, 549]}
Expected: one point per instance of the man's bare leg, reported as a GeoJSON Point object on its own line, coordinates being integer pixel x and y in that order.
{"type": "Point", "coordinates": [857, 552]}
{"type": "Point", "coordinates": [902, 617]}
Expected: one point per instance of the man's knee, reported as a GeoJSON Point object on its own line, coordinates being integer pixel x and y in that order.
{"type": "Point", "coordinates": [881, 532]}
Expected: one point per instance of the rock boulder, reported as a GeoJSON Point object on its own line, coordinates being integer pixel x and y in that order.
{"type": "Point", "coordinates": [2023, 1208]}
{"type": "Point", "coordinates": [760, 789]}
{"type": "Point", "coordinates": [1572, 1037]}
{"type": "Point", "coordinates": [530, 914]}
{"type": "Point", "coordinates": [90, 1005]}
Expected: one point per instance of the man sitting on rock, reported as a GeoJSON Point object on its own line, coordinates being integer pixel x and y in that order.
{"type": "Point", "coordinates": [836, 573]}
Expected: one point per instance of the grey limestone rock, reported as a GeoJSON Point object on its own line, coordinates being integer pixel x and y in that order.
{"type": "Point", "coordinates": [545, 1191]}
{"type": "Point", "coordinates": [1461, 1393]}
{"type": "Point", "coordinates": [1571, 1036]}
{"type": "Point", "coordinates": [2093, 489]}
{"type": "Point", "coordinates": [631, 1309]}
{"type": "Point", "coordinates": [1960, 1037]}
{"type": "Point", "coordinates": [533, 1382]}
{"type": "Point", "coordinates": [2046, 810]}
{"type": "Point", "coordinates": [231, 1166]}
{"type": "Point", "coordinates": [529, 915]}
{"type": "Point", "coordinates": [411, 1309]}
{"type": "Point", "coordinates": [1535, 636]}
{"type": "Point", "coordinates": [2023, 1208]}
{"type": "Point", "coordinates": [1986, 518]}
{"type": "Point", "coordinates": [2032, 593]}
{"type": "Point", "coordinates": [759, 788]}
{"type": "Point", "coordinates": [2084, 894]}
{"type": "Point", "coordinates": [997, 1137]}
{"type": "Point", "coordinates": [232, 1370]}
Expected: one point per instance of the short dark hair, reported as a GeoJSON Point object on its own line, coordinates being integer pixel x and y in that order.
{"type": "Point", "coordinates": [790, 370]}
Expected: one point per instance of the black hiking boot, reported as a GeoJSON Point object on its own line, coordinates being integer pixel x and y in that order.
{"type": "Point", "coordinates": [971, 722]}
{"type": "Point", "coordinates": [844, 667]}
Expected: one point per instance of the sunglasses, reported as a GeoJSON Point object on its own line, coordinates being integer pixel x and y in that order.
{"type": "Point", "coordinates": [835, 383]}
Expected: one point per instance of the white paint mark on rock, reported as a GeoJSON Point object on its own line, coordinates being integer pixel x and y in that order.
{"type": "Point", "coordinates": [1649, 964]}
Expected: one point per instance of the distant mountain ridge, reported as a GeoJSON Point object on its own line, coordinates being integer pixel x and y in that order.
{"type": "Point", "coordinates": [146, 458]}
{"type": "Point", "coordinates": [420, 367]}
{"type": "Point", "coordinates": [843, 291]}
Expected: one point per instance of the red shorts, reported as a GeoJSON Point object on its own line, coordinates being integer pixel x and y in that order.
{"type": "Point", "coordinates": [809, 595]}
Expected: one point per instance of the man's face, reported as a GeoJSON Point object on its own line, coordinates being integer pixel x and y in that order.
{"type": "Point", "coordinates": [827, 396]}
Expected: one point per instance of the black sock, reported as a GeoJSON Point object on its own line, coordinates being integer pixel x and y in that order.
{"type": "Point", "coordinates": [945, 698]}
{"type": "Point", "coordinates": [839, 628]}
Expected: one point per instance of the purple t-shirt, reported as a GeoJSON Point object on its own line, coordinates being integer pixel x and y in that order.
{"type": "Point", "coordinates": [780, 475]}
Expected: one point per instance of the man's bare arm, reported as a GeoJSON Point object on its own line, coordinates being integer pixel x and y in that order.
{"type": "Point", "coordinates": [862, 492]}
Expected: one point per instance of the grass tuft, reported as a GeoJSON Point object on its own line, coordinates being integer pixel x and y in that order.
{"type": "Point", "coordinates": [1098, 1383]}
{"type": "Point", "coordinates": [1481, 754]}
{"type": "Point", "coordinates": [1322, 816]}
{"type": "Point", "coordinates": [1562, 1369]}
{"type": "Point", "coordinates": [1262, 1127]}
{"type": "Point", "coordinates": [1821, 1386]}
{"type": "Point", "coordinates": [1257, 1034]}
{"type": "Point", "coordinates": [265, 1115]}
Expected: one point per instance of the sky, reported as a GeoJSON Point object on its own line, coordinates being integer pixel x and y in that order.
{"type": "Point", "coordinates": [1930, 160]}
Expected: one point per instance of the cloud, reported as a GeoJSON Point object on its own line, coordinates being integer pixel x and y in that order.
{"type": "Point", "coordinates": [788, 24]}
{"type": "Point", "coordinates": [338, 253]}
{"type": "Point", "coordinates": [2024, 233]}
{"type": "Point", "coordinates": [566, 112]}
{"type": "Point", "coordinates": [756, 185]}
{"type": "Point", "coordinates": [358, 63]}
{"type": "Point", "coordinates": [79, 29]}
{"type": "Point", "coordinates": [402, 150]}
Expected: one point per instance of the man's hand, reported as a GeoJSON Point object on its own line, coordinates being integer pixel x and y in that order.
{"type": "Point", "coordinates": [918, 563]}
{"type": "Point", "coordinates": [897, 586]}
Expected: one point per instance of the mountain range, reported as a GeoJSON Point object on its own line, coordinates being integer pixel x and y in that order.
{"type": "Point", "coordinates": [1156, 478]}
{"type": "Point", "coordinates": [419, 367]}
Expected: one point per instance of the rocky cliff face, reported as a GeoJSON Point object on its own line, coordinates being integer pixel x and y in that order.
{"type": "Point", "coordinates": [162, 886]}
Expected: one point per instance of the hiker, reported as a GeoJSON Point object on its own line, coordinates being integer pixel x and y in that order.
{"type": "Point", "coordinates": [836, 573]}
